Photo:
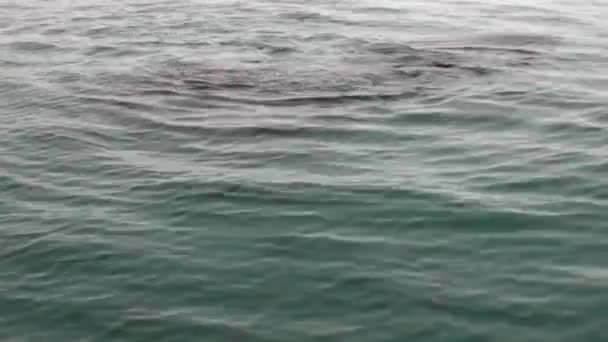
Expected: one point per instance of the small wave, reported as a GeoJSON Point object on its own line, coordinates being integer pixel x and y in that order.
{"type": "Point", "coordinates": [315, 100]}
{"type": "Point", "coordinates": [304, 16]}
{"type": "Point", "coordinates": [199, 84]}
{"type": "Point", "coordinates": [492, 49]}
{"type": "Point", "coordinates": [111, 51]}
{"type": "Point", "coordinates": [32, 46]}
{"type": "Point", "coordinates": [387, 48]}
{"type": "Point", "coordinates": [519, 39]}
{"type": "Point", "coordinates": [124, 103]}
{"type": "Point", "coordinates": [588, 273]}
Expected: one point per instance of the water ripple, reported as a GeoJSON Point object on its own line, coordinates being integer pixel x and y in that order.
{"type": "Point", "coordinates": [292, 171]}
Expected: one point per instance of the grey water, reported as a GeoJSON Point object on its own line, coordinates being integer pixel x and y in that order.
{"type": "Point", "coordinates": [297, 170]}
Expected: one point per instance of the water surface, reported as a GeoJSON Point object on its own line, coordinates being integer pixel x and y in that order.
{"type": "Point", "coordinates": [303, 170]}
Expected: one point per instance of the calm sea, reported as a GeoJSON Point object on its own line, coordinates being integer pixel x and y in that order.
{"type": "Point", "coordinates": [265, 170]}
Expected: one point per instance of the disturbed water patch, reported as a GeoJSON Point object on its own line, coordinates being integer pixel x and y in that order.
{"type": "Point", "coordinates": [375, 71]}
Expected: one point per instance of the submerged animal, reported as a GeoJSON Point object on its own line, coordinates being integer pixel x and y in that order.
{"type": "Point", "coordinates": [362, 71]}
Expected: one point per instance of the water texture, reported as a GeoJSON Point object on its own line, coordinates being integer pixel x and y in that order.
{"type": "Point", "coordinates": [298, 170]}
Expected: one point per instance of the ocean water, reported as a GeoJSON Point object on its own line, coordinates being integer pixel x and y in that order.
{"type": "Point", "coordinates": [264, 170]}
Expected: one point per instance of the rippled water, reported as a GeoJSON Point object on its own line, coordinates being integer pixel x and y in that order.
{"type": "Point", "coordinates": [303, 170]}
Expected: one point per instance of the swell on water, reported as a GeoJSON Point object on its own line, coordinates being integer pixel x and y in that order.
{"type": "Point", "coordinates": [264, 171]}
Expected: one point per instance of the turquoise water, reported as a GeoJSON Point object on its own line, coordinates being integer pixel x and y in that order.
{"type": "Point", "coordinates": [303, 170]}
